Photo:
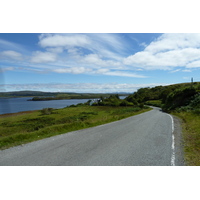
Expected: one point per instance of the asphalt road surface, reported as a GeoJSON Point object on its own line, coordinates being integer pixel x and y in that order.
{"type": "Point", "coordinates": [142, 140]}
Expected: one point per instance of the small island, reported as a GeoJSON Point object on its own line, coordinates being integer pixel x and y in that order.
{"type": "Point", "coordinates": [72, 96]}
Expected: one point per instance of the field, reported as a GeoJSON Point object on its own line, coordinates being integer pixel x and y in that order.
{"type": "Point", "coordinates": [21, 128]}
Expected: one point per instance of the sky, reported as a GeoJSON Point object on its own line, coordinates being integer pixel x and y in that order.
{"type": "Point", "coordinates": [97, 62]}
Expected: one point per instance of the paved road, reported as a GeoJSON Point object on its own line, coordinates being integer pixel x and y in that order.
{"type": "Point", "coordinates": [142, 140]}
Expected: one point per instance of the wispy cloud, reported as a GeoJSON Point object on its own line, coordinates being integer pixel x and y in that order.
{"type": "Point", "coordinates": [122, 73]}
{"type": "Point", "coordinates": [7, 69]}
{"type": "Point", "coordinates": [13, 55]}
{"type": "Point", "coordinates": [6, 45]}
{"type": "Point", "coordinates": [186, 70]}
{"type": "Point", "coordinates": [105, 54]}
{"type": "Point", "coordinates": [82, 53]}
{"type": "Point", "coordinates": [66, 41]}
{"type": "Point", "coordinates": [43, 57]}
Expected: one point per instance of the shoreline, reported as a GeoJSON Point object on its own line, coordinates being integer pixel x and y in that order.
{"type": "Point", "coordinates": [17, 113]}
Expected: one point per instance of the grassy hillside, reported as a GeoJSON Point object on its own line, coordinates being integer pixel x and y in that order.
{"type": "Point", "coordinates": [182, 100]}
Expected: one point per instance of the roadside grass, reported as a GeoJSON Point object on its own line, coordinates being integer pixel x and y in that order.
{"type": "Point", "coordinates": [191, 137]}
{"type": "Point", "coordinates": [23, 127]}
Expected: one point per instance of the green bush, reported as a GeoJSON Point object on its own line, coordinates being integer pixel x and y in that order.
{"type": "Point", "coordinates": [195, 103]}
{"type": "Point", "coordinates": [141, 105]}
{"type": "Point", "coordinates": [47, 111]}
{"type": "Point", "coordinates": [179, 97]}
{"type": "Point", "coordinates": [72, 105]}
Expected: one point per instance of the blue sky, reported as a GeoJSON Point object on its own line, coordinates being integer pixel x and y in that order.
{"type": "Point", "coordinates": [92, 62]}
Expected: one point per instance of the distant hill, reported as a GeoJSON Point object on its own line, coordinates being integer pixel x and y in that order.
{"type": "Point", "coordinates": [59, 95]}
{"type": "Point", "coordinates": [25, 94]}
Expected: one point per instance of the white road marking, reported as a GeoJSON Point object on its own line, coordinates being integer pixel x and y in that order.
{"type": "Point", "coordinates": [173, 143]}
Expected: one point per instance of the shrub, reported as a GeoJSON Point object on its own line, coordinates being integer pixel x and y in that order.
{"type": "Point", "coordinates": [195, 103]}
{"type": "Point", "coordinates": [179, 97]}
{"type": "Point", "coordinates": [72, 106]}
{"type": "Point", "coordinates": [141, 105]}
{"type": "Point", "coordinates": [46, 111]}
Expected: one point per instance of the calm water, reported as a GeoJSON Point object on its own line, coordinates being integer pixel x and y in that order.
{"type": "Point", "coordinates": [13, 105]}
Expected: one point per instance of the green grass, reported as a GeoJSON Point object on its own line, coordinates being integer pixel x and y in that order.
{"type": "Point", "coordinates": [25, 127]}
{"type": "Point", "coordinates": [191, 137]}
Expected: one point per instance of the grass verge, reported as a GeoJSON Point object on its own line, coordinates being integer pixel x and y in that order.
{"type": "Point", "coordinates": [21, 128]}
{"type": "Point", "coordinates": [191, 137]}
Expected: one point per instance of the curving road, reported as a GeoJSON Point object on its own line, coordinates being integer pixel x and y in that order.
{"type": "Point", "coordinates": [142, 140]}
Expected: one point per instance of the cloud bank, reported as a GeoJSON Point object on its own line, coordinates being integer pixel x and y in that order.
{"type": "Point", "coordinates": [78, 87]}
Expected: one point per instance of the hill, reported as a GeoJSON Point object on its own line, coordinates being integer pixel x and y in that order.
{"type": "Point", "coordinates": [41, 96]}
{"type": "Point", "coordinates": [170, 98]}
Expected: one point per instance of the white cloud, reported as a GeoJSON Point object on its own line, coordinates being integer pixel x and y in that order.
{"type": "Point", "coordinates": [167, 52]}
{"type": "Point", "coordinates": [55, 50]}
{"type": "Point", "coordinates": [195, 64]}
{"type": "Point", "coordinates": [43, 57]}
{"type": "Point", "coordinates": [89, 71]}
{"type": "Point", "coordinates": [11, 55]}
{"type": "Point", "coordinates": [172, 41]}
{"type": "Point", "coordinates": [122, 73]}
{"type": "Point", "coordinates": [94, 51]}
{"type": "Point", "coordinates": [73, 70]}
{"type": "Point", "coordinates": [64, 40]}
{"type": "Point", "coordinates": [95, 59]}
{"type": "Point", "coordinates": [109, 42]}
{"type": "Point", "coordinates": [174, 71]}
{"type": "Point", "coordinates": [105, 45]}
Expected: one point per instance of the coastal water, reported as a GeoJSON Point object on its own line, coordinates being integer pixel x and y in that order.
{"type": "Point", "coordinates": [13, 105]}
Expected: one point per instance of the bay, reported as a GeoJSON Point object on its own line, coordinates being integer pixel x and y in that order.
{"type": "Point", "coordinates": [14, 105]}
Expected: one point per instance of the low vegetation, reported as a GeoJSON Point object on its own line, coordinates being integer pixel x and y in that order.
{"type": "Point", "coordinates": [26, 127]}
{"type": "Point", "coordinates": [191, 136]}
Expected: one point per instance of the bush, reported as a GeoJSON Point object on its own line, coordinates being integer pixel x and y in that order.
{"type": "Point", "coordinates": [195, 103]}
{"type": "Point", "coordinates": [46, 111]}
{"type": "Point", "coordinates": [141, 105]}
{"type": "Point", "coordinates": [72, 106]}
{"type": "Point", "coordinates": [179, 97]}
{"type": "Point", "coordinates": [126, 103]}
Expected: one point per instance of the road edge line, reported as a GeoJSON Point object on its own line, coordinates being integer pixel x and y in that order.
{"type": "Point", "coordinates": [173, 143]}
